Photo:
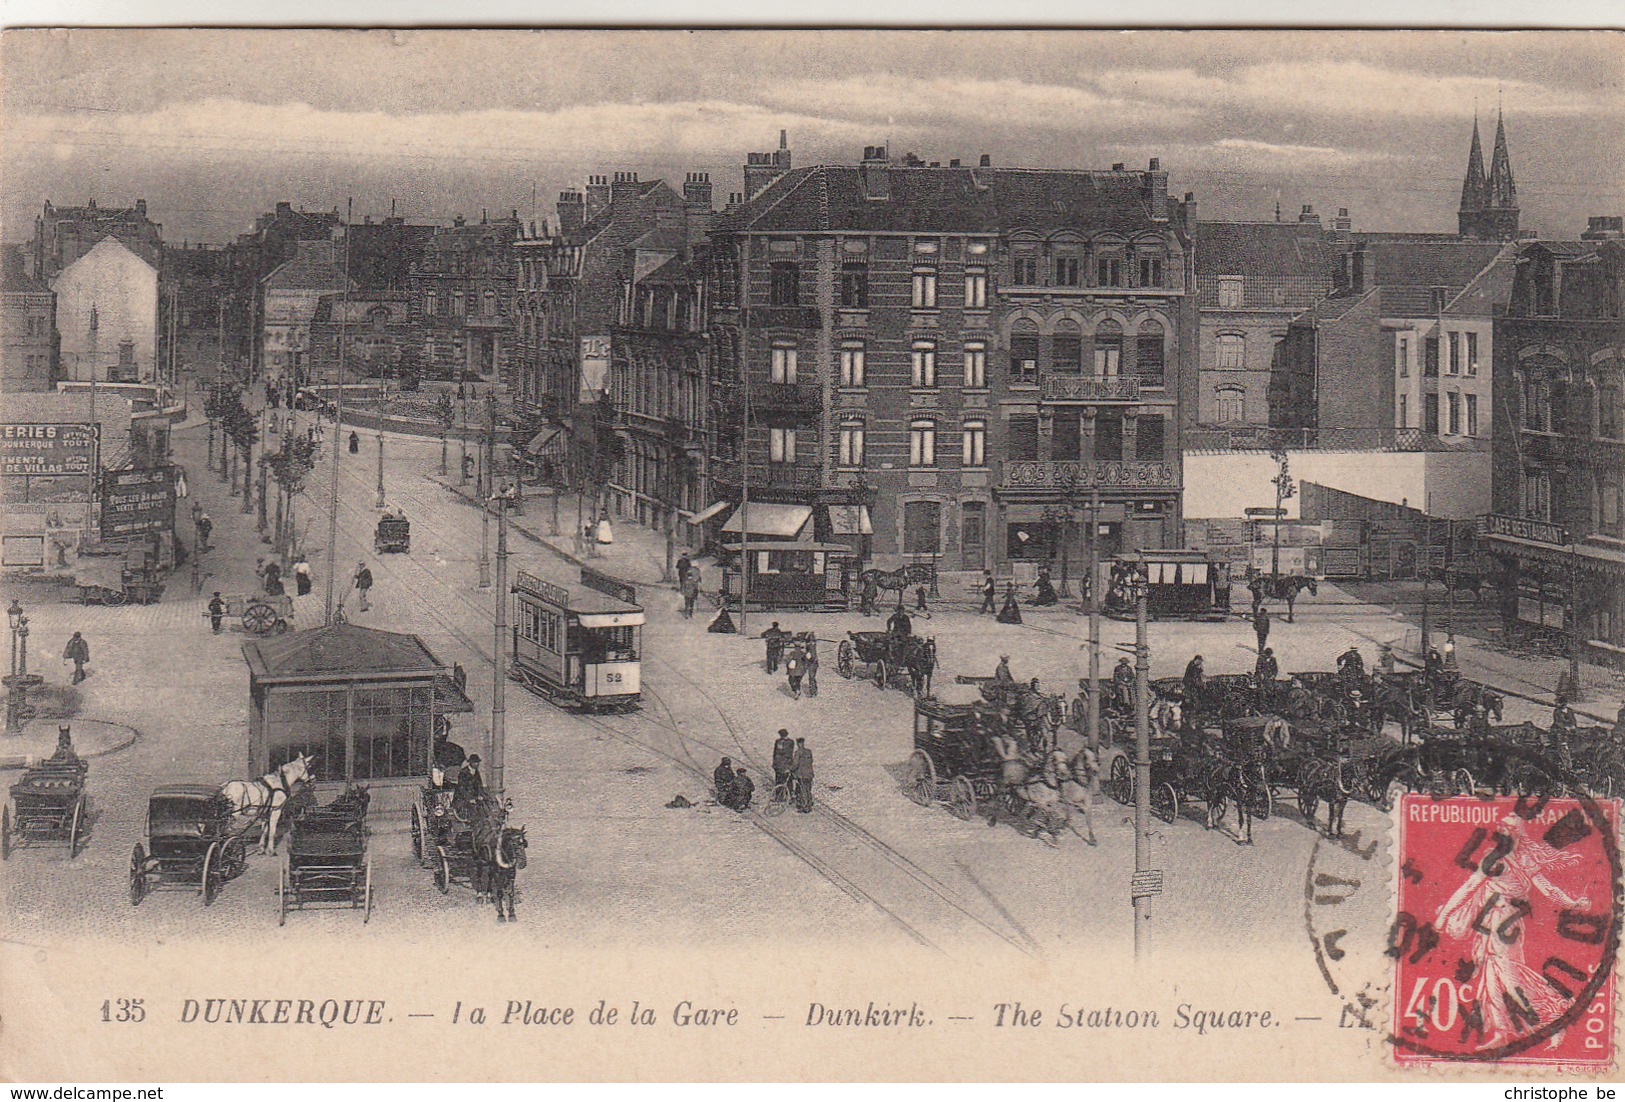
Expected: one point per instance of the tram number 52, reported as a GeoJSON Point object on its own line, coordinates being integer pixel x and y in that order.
{"type": "Point", "coordinates": [1437, 1005]}
{"type": "Point", "coordinates": [612, 678]}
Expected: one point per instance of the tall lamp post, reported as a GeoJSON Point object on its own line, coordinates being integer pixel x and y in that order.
{"type": "Point", "coordinates": [380, 502]}
{"type": "Point", "coordinates": [1147, 882]}
{"type": "Point", "coordinates": [499, 672]}
{"type": "Point", "coordinates": [1284, 490]}
{"type": "Point", "coordinates": [1091, 598]}
{"type": "Point", "coordinates": [19, 680]}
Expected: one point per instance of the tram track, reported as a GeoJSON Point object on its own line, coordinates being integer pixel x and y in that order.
{"type": "Point", "coordinates": [930, 893]}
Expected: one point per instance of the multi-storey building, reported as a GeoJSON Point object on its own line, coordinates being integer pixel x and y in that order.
{"type": "Point", "coordinates": [376, 331]}
{"type": "Point", "coordinates": [951, 361]}
{"type": "Point", "coordinates": [288, 299]}
{"type": "Point", "coordinates": [1558, 525]}
{"type": "Point", "coordinates": [1252, 279]}
{"type": "Point", "coordinates": [461, 282]}
{"type": "Point", "coordinates": [274, 241]}
{"type": "Point", "coordinates": [64, 234]}
{"type": "Point", "coordinates": [28, 339]}
{"type": "Point", "coordinates": [107, 314]}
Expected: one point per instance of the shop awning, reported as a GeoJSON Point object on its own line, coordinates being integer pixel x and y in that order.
{"type": "Point", "coordinates": [770, 519]}
{"type": "Point", "coordinates": [611, 619]}
{"type": "Point", "coordinates": [850, 520]}
{"type": "Point", "coordinates": [548, 440]}
{"type": "Point", "coordinates": [707, 513]}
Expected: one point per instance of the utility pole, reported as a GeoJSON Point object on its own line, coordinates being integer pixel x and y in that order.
{"type": "Point", "coordinates": [338, 419]}
{"type": "Point", "coordinates": [380, 501]}
{"type": "Point", "coordinates": [1092, 603]}
{"type": "Point", "coordinates": [499, 672]}
{"type": "Point", "coordinates": [1576, 636]}
{"type": "Point", "coordinates": [1142, 775]}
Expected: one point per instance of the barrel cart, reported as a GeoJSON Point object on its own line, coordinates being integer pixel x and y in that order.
{"type": "Point", "coordinates": [47, 805]}
{"type": "Point", "coordinates": [327, 862]}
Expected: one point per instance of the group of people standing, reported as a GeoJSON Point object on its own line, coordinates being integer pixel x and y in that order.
{"type": "Point", "coordinates": [1007, 613]}
{"type": "Point", "coordinates": [799, 656]}
{"type": "Point", "coordinates": [792, 777]}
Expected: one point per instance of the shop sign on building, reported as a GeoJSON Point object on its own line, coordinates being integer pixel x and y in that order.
{"type": "Point", "coordinates": [1523, 528]}
{"type": "Point", "coordinates": [138, 501]}
{"type": "Point", "coordinates": [46, 449]}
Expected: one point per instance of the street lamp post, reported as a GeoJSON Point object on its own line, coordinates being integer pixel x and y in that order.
{"type": "Point", "coordinates": [1142, 887]}
{"type": "Point", "coordinates": [1284, 490]}
{"type": "Point", "coordinates": [19, 681]}
{"type": "Point", "coordinates": [14, 616]}
{"type": "Point", "coordinates": [485, 543]}
{"type": "Point", "coordinates": [380, 502]}
{"type": "Point", "coordinates": [499, 673]}
{"type": "Point", "coordinates": [1092, 603]}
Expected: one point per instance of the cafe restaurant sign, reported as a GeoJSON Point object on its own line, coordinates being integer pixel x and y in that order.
{"type": "Point", "coordinates": [1523, 528]}
{"type": "Point", "coordinates": [46, 449]}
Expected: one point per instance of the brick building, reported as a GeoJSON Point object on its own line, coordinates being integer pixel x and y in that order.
{"type": "Point", "coordinates": [107, 314]}
{"type": "Point", "coordinates": [1558, 522]}
{"type": "Point", "coordinates": [379, 334]}
{"type": "Point", "coordinates": [28, 338]}
{"type": "Point", "coordinates": [288, 299]}
{"type": "Point", "coordinates": [462, 281]}
{"type": "Point", "coordinates": [954, 356]}
{"type": "Point", "coordinates": [64, 234]}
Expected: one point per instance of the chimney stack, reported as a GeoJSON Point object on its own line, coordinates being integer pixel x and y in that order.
{"type": "Point", "coordinates": [1604, 227]}
{"type": "Point", "coordinates": [597, 195]}
{"type": "Point", "coordinates": [1342, 225]}
{"type": "Point", "coordinates": [697, 205]}
{"type": "Point", "coordinates": [1156, 164]}
{"type": "Point", "coordinates": [141, 208]}
{"type": "Point", "coordinates": [761, 169]}
{"type": "Point", "coordinates": [572, 211]}
{"type": "Point", "coordinates": [1118, 167]}
{"type": "Point", "coordinates": [986, 161]}
{"type": "Point", "coordinates": [954, 163]}
{"type": "Point", "coordinates": [1308, 215]}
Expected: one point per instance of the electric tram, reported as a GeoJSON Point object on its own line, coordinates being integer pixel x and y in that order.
{"type": "Point", "coordinates": [579, 648]}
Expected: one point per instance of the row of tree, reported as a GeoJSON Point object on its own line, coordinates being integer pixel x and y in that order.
{"type": "Point", "coordinates": [239, 431]}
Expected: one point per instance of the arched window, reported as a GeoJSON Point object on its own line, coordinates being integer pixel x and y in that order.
{"type": "Point", "coordinates": [1108, 348]}
{"type": "Point", "coordinates": [1231, 404]}
{"type": "Point", "coordinates": [1024, 352]}
{"type": "Point", "coordinates": [1148, 354]}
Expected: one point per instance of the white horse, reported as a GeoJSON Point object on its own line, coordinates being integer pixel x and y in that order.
{"type": "Point", "coordinates": [265, 797]}
{"type": "Point", "coordinates": [1167, 717]}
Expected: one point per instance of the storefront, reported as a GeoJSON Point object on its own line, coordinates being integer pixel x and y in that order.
{"type": "Point", "coordinates": [1543, 578]}
{"type": "Point", "coordinates": [364, 704]}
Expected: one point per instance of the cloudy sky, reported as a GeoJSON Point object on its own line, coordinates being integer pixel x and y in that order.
{"type": "Point", "coordinates": [213, 127]}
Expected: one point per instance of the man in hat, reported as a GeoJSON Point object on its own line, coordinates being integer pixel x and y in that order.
{"type": "Point", "coordinates": [1195, 679]}
{"type": "Point", "coordinates": [1123, 683]}
{"type": "Point", "coordinates": [1266, 671]}
{"type": "Point", "coordinates": [470, 787]}
{"type": "Point", "coordinates": [744, 789]}
{"type": "Point", "coordinates": [1385, 660]}
{"type": "Point", "coordinates": [217, 611]}
{"type": "Point", "coordinates": [784, 758]}
{"type": "Point", "coordinates": [1261, 626]}
{"type": "Point", "coordinates": [989, 591]}
{"type": "Point", "coordinates": [363, 583]}
{"type": "Point", "coordinates": [899, 626]}
{"type": "Point", "coordinates": [77, 652]}
{"type": "Point", "coordinates": [775, 644]}
{"type": "Point", "coordinates": [722, 779]}
{"type": "Point", "coordinates": [804, 776]}
{"type": "Point", "coordinates": [1002, 675]}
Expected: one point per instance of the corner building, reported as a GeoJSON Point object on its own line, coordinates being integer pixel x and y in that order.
{"type": "Point", "coordinates": [950, 361]}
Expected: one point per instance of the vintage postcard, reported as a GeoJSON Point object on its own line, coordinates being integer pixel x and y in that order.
{"type": "Point", "coordinates": [811, 555]}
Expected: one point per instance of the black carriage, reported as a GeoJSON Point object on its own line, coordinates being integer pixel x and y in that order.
{"type": "Point", "coordinates": [443, 831]}
{"type": "Point", "coordinates": [393, 535]}
{"type": "Point", "coordinates": [193, 842]}
{"type": "Point", "coordinates": [48, 805]}
{"type": "Point", "coordinates": [579, 647]}
{"type": "Point", "coordinates": [1170, 766]}
{"type": "Point", "coordinates": [885, 657]}
{"type": "Point", "coordinates": [953, 760]}
{"type": "Point", "coordinates": [1033, 708]}
{"type": "Point", "coordinates": [327, 863]}
{"type": "Point", "coordinates": [1181, 584]}
{"type": "Point", "coordinates": [1445, 761]}
{"type": "Point", "coordinates": [1192, 767]}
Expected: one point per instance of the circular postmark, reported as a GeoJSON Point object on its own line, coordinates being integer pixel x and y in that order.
{"type": "Point", "coordinates": [1491, 929]}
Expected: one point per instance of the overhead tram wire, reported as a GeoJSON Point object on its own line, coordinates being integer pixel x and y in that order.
{"type": "Point", "coordinates": [338, 414]}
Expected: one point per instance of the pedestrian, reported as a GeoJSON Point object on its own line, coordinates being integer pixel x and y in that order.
{"type": "Point", "coordinates": [301, 577]}
{"type": "Point", "coordinates": [355, 444]}
{"type": "Point", "coordinates": [784, 759]}
{"type": "Point", "coordinates": [363, 583]}
{"type": "Point", "coordinates": [77, 652]}
{"type": "Point", "coordinates": [272, 576]}
{"type": "Point", "coordinates": [690, 586]}
{"type": "Point", "coordinates": [804, 776]}
{"type": "Point", "coordinates": [1046, 594]}
{"type": "Point", "coordinates": [1010, 613]}
{"type": "Point", "coordinates": [217, 611]}
{"type": "Point", "coordinates": [683, 567]}
{"type": "Point", "coordinates": [871, 594]}
{"type": "Point", "coordinates": [1266, 671]}
{"type": "Point", "coordinates": [812, 667]}
{"type": "Point", "coordinates": [1194, 680]}
{"type": "Point", "coordinates": [1261, 626]}
{"type": "Point", "coordinates": [744, 789]}
{"type": "Point", "coordinates": [1002, 676]}
{"type": "Point", "coordinates": [722, 779]}
{"type": "Point", "coordinates": [775, 643]}
{"type": "Point", "coordinates": [204, 527]}
{"type": "Point", "coordinates": [919, 601]}
{"type": "Point", "coordinates": [1256, 588]}
{"type": "Point", "coordinates": [989, 590]}
{"type": "Point", "coordinates": [606, 534]}
{"type": "Point", "coordinates": [795, 668]}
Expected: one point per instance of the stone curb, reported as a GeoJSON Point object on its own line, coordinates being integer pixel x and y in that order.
{"type": "Point", "coordinates": [14, 761]}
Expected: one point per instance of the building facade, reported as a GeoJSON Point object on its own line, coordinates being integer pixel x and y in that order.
{"type": "Point", "coordinates": [951, 361]}
{"type": "Point", "coordinates": [461, 282]}
{"type": "Point", "coordinates": [64, 234]}
{"type": "Point", "coordinates": [107, 314]}
{"type": "Point", "coordinates": [378, 335]}
{"type": "Point", "coordinates": [289, 296]}
{"type": "Point", "coordinates": [28, 339]}
{"type": "Point", "coordinates": [1558, 525]}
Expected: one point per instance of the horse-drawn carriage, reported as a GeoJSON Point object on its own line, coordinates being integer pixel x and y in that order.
{"type": "Point", "coordinates": [1039, 712]}
{"type": "Point", "coordinates": [260, 615]}
{"type": "Point", "coordinates": [892, 661]}
{"type": "Point", "coordinates": [393, 535]}
{"type": "Point", "coordinates": [193, 841]}
{"type": "Point", "coordinates": [113, 580]}
{"type": "Point", "coordinates": [1211, 766]}
{"type": "Point", "coordinates": [327, 862]}
{"type": "Point", "coordinates": [47, 805]}
{"type": "Point", "coordinates": [468, 842]}
{"type": "Point", "coordinates": [967, 756]}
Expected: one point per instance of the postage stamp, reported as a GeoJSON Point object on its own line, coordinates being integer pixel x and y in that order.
{"type": "Point", "coordinates": [1506, 930]}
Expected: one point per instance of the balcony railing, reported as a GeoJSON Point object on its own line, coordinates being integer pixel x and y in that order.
{"type": "Point", "coordinates": [1089, 388]}
{"type": "Point", "coordinates": [1041, 474]}
{"type": "Point", "coordinates": [797, 396]}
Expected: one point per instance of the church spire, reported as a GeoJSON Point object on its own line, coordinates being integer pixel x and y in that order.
{"type": "Point", "coordinates": [1489, 203]}
{"type": "Point", "coordinates": [1503, 192]}
{"type": "Point", "coordinates": [1473, 188]}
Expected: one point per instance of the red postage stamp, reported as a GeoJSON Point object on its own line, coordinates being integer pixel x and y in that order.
{"type": "Point", "coordinates": [1506, 931]}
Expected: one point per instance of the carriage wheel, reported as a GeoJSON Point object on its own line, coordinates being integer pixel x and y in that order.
{"type": "Point", "coordinates": [1057, 713]}
{"type": "Point", "coordinates": [880, 673]}
{"type": "Point", "coordinates": [5, 834]}
{"type": "Point", "coordinates": [778, 801]}
{"type": "Point", "coordinates": [73, 829]}
{"type": "Point", "coordinates": [1165, 802]}
{"type": "Point", "coordinates": [112, 598]}
{"type": "Point", "coordinates": [417, 835]}
{"type": "Point", "coordinates": [259, 618]}
{"type": "Point", "coordinates": [442, 875]}
{"type": "Point", "coordinates": [1462, 780]}
{"type": "Point", "coordinates": [962, 799]}
{"type": "Point", "coordinates": [920, 779]}
{"type": "Point", "coordinates": [366, 915]}
{"type": "Point", "coordinates": [138, 876]}
{"type": "Point", "coordinates": [1121, 783]}
{"type": "Point", "coordinates": [209, 883]}
{"type": "Point", "coordinates": [843, 659]}
{"type": "Point", "coordinates": [282, 892]}
{"type": "Point", "coordinates": [234, 859]}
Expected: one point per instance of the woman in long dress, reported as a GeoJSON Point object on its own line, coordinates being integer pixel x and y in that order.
{"type": "Point", "coordinates": [1483, 904]}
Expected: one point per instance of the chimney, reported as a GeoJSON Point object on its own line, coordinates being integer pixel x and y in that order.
{"type": "Point", "coordinates": [761, 169]}
{"type": "Point", "coordinates": [1154, 188]}
{"type": "Point", "coordinates": [283, 207]}
{"type": "Point", "coordinates": [624, 186]}
{"type": "Point", "coordinates": [1188, 209]}
{"type": "Point", "coordinates": [954, 163]}
{"type": "Point", "coordinates": [1604, 227]}
{"type": "Point", "coordinates": [1118, 167]}
{"type": "Point", "coordinates": [985, 162]}
{"type": "Point", "coordinates": [597, 195]}
{"type": "Point", "coordinates": [141, 208]}
{"type": "Point", "coordinates": [874, 154]}
{"type": "Point", "coordinates": [1156, 164]}
{"type": "Point", "coordinates": [1342, 224]}
{"type": "Point", "coordinates": [874, 172]}
{"type": "Point", "coordinates": [697, 206]}
{"type": "Point", "coordinates": [1308, 215]}
{"type": "Point", "coordinates": [572, 211]}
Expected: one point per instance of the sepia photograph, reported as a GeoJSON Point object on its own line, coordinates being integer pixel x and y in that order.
{"type": "Point", "coordinates": [436, 464]}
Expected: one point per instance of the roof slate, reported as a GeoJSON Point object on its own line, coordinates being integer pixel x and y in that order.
{"type": "Point", "coordinates": [339, 649]}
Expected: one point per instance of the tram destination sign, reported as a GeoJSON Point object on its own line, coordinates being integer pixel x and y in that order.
{"type": "Point", "coordinates": [547, 591]}
{"type": "Point", "coordinates": [1522, 528]}
{"type": "Point", "coordinates": [44, 449]}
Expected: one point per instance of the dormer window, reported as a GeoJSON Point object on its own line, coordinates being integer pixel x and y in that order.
{"type": "Point", "coordinates": [1230, 292]}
